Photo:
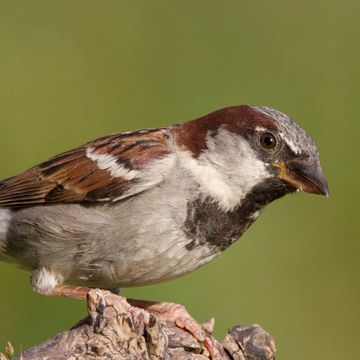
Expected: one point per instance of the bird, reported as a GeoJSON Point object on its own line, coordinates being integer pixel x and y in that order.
{"type": "Point", "coordinates": [146, 206]}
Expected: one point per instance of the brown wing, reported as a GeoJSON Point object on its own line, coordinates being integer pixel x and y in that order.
{"type": "Point", "coordinates": [106, 169]}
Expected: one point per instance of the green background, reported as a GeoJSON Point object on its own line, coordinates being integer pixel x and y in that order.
{"type": "Point", "coordinates": [71, 71]}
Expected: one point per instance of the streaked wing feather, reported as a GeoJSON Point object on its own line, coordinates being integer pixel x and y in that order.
{"type": "Point", "coordinates": [101, 170]}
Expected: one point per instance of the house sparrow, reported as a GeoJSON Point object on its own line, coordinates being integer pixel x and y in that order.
{"type": "Point", "coordinates": [146, 206]}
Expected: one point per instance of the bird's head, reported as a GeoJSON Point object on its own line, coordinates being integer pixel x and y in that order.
{"type": "Point", "coordinates": [251, 151]}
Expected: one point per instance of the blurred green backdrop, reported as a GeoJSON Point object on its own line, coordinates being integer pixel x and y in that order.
{"type": "Point", "coordinates": [71, 71]}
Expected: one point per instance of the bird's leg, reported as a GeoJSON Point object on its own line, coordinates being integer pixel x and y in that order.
{"type": "Point", "coordinates": [177, 314]}
{"type": "Point", "coordinates": [47, 282]}
{"type": "Point", "coordinates": [69, 292]}
{"type": "Point", "coordinates": [75, 292]}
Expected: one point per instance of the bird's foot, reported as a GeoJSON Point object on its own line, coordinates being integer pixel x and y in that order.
{"type": "Point", "coordinates": [178, 315]}
{"type": "Point", "coordinates": [104, 298]}
{"type": "Point", "coordinates": [166, 311]}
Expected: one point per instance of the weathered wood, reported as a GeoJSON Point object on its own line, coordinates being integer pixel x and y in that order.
{"type": "Point", "coordinates": [111, 332]}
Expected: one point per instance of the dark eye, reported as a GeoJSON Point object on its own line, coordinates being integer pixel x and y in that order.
{"type": "Point", "coordinates": [268, 141]}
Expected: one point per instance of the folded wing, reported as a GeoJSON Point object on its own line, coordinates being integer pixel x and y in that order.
{"type": "Point", "coordinates": [108, 169]}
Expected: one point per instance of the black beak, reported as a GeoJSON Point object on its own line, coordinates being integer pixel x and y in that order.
{"type": "Point", "coordinates": [305, 175]}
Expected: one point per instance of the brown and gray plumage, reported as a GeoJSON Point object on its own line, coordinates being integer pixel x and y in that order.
{"type": "Point", "coordinates": [147, 206]}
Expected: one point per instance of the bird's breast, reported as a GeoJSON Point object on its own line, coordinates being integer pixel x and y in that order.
{"type": "Point", "coordinates": [207, 225]}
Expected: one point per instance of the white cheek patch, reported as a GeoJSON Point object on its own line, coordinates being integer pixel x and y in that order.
{"type": "Point", "coordinates": [227, 170]}
{"type": "Point", "coordinates": [211, 181]}
{"type": "Point", "coordinates": [109, 163]}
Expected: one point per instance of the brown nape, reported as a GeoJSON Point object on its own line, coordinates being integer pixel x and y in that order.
{"type": "Point", "coordinates": [192, 134]}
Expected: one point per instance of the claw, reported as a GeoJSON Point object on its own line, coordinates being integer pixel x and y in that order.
{"type": "Point", "coordinates": [178, 315]}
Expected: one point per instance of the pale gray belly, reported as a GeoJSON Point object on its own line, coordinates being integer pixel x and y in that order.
{"type": "Point", "coordinates": [136, 242]}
